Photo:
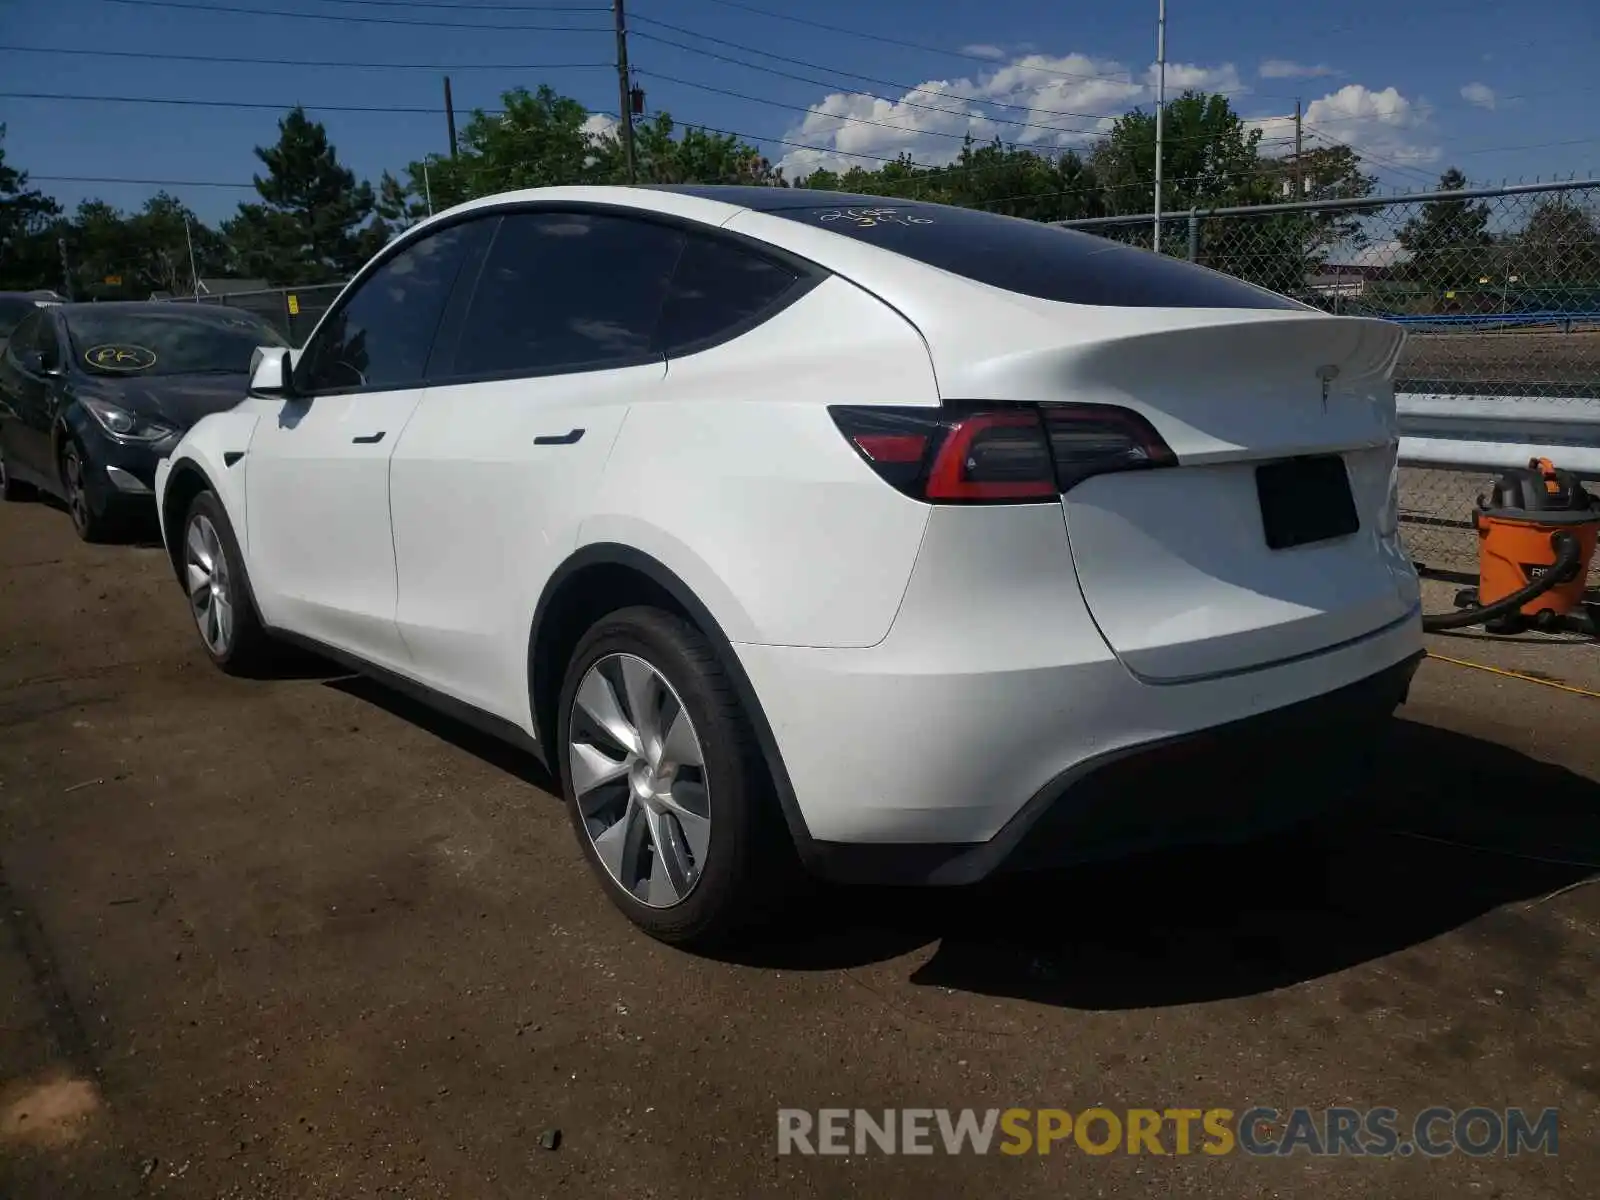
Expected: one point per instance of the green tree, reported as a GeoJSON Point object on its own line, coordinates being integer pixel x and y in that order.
{"type": "Point", "coordinates": [1210, 157]}
{"type": "Point", "coordinates": [28, 256]}
{"type": "Point", "coordinates": [1448, 240]}
{"type": "Point", "coordinates": [662, 154]}
{"type": "Point", "coordinates": [1557, 251]}
{"type": "Point", "coordinates": [309, 226]}
{"type": "Point", "coordinates": [1279, 250]}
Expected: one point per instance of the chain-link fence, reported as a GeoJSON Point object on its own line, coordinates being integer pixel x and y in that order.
{"type": "Point", "coordinates": [1499, 290]}
{"type": "Point", "coordinates": [293, 311]}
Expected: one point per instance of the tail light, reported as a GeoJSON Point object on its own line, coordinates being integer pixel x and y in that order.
{"type": "Point", "coordinates": [1014, 455]}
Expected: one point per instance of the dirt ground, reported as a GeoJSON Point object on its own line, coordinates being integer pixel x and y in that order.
{"type": "Point", "coordinates": [298, 939]}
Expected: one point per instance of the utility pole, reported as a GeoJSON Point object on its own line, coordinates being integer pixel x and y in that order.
{"type": "Point", "coordinates": [624, 99]}
{"type": "Point", "coordinates": [1161, 108]}
{"type": "Point", "coordinates": [427, 187]}
{"type": "Point", "coordinates": [450, 115]}
{"type": "Point", "coordinates": [1299, 171]}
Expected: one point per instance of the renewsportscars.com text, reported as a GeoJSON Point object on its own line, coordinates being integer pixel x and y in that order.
{"type": "Point", "coordinates": [1374, 1132]}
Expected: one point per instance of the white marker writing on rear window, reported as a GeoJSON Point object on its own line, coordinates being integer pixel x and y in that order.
{"type": "Point", "coordinates": [865, 218]}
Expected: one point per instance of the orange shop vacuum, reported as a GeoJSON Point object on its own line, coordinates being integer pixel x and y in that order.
{"type": "Point", "coordinates": [1536, 537]}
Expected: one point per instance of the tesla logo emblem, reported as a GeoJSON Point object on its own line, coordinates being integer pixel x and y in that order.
{"type": "Point", "coordinates": [1327, 374]}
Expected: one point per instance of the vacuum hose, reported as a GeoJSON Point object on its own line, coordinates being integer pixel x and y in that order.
{"type": "Point", "coordinates": [1567, 554]}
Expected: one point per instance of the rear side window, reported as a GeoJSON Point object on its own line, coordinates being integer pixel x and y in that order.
{"type": "Point", "coordinates": [1035, 259]}
{"type": "Point", "coordinates": [718, 291]}
{"type": "Point", "coordinates": [567, 292]}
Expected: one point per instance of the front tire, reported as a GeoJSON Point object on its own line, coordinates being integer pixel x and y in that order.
{"type": "Point", "coordinates": [90, 526]}
{"type": "Point", "coordinates": [213, 574]}
{"type": "Point", "coordinates": [665, 788]}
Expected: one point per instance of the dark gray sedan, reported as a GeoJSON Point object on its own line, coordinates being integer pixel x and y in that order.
{"type": "Point", "coordinates": [93, 395]}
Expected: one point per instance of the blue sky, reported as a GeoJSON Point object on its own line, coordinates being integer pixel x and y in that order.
{"type": "Point", "coordinates": [1500, 90]}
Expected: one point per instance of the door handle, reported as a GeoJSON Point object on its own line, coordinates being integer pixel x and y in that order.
{"type": "Point", "coordinates": [558, 439]}
{"type": "Point", "coordinates": [372, 439]}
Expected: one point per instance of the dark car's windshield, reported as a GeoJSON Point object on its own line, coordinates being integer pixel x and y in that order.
{"type": "Point", "coordinates": [165, 340]}
{"type": "Point", "coordinates": [1035, 259]}
{"type": "Point", "coordinates": [12, 310]}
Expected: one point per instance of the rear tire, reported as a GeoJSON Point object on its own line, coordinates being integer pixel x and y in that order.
{"type": "Point", "coordinates": [220, 602]}
{"type": "Point", "coordinates": [669, 797]}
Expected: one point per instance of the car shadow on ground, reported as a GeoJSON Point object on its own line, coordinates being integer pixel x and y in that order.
{"type": "Point", "coordinates": [497, 753]}
{"type": "Point", "coordinates": [1460, 827]}
{"type": "Point", "coordinates": [1206, 924]}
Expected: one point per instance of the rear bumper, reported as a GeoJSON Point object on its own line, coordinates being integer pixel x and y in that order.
{"type": "Point", "coordinates": [1214, 786]}
{"type": "Point", "coordinates": [994, 700]}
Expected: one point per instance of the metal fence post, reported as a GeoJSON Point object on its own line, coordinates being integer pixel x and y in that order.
{"type": "Point", "coordinates": [1194, 235]}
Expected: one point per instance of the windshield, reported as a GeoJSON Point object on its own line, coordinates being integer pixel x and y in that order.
{"type": "Point", "coordinates": [12, 310]}
{"type": "Point", "coordinates": [166, 340]}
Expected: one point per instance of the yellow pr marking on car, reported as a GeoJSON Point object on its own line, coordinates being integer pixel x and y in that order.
{"type": "Point", "coordinates": [119, 357]}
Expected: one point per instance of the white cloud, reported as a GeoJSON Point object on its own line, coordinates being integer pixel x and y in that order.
{"type": "Point", "coordinates": [1383, 253]}
{"type": "Point", "coordinates": [1385, 124]}
{"type": "Point", "coordinates": [1480, 94]}
{"type": "Point", "coordinates": [1183, 77]}
{"type": "Point", "coordinates": [1067, 102]}
{"type": "Point", "coordinates": [1283, 68]}
{"type": "Point", "coordinates": [600, 125]}
{"type": "Point", "coordinates": [1060, 101]}
{"type": "Point", "coordinates": [983, 50]}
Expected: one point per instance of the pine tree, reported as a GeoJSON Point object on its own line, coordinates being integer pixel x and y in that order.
{"type": "Point", "coordinates": [1448, 240]}
{"type": "Point", "coordinates": [310, 226]}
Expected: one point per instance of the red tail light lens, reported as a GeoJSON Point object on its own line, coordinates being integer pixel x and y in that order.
{"type": "Point", "coordinates": [1096, 439]}
{"type": "Point", "coordinates": [1016, 455]}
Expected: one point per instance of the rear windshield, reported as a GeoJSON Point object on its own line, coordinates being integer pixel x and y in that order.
{"type": "Point", "coordinates": [1037, 260]}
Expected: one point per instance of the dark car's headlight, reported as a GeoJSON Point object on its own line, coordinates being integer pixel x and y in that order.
{"type": "Point", "coordinates": [130, 427]}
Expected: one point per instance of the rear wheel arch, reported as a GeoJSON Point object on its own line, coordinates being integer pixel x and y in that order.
{"type": "Point", "coordinates": [602, 578]}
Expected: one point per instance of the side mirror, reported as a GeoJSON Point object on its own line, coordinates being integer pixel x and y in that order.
{"type": "Point", "coordinates": [269, 371]}
{"type": "Point", "coordinates": [32, 361]}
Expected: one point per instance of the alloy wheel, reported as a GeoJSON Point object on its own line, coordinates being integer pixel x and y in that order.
{"type": "Point", "coordinates": [210, 591]}
{"type": "Point", "coordinates": [77, 494]}
{"type": "Point", "coordinates": [638, 779]}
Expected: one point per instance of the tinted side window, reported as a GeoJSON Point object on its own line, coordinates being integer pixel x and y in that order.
{"type": "Point", "coordinates": [718, 290]}
{"type": "Point", "coordinates": [567, 292]}
{"type": "Point", "coordinates": [380, 337]}
{"type": "Point", "coordinates": [25, 336]}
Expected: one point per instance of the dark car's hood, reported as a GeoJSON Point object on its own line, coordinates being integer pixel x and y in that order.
{"type": "Point", "coordinates": [179, 399]}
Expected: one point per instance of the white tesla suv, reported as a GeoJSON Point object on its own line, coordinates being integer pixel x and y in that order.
{"type": "Point", "coordinates": [912, 539]}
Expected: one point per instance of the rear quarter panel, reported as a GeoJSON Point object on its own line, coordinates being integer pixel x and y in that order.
{"type": "Point", "coordinates": [734, 475]}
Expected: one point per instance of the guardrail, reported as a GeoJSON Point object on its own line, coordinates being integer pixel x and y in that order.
{"type": "Point", "coordinates": [1490, 433]}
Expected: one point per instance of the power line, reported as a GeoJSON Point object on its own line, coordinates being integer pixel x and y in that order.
{"type": "Point", "coordinates": [877, 37]}
{"type": "Point", "coordinates": [255, 104]}
{"type": "Point", "coordinates": [308, 62]}
{"type": "Point", "coordinates": [198, 183]}
{"type": "Point", "coordinates": [805, 108]}
{"type": "Point", "coordinates": [563, 8]}
{"type": "Point", "coordinates": [766, 70]}
{"type": "Point", "coordinates": [192, 6]}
